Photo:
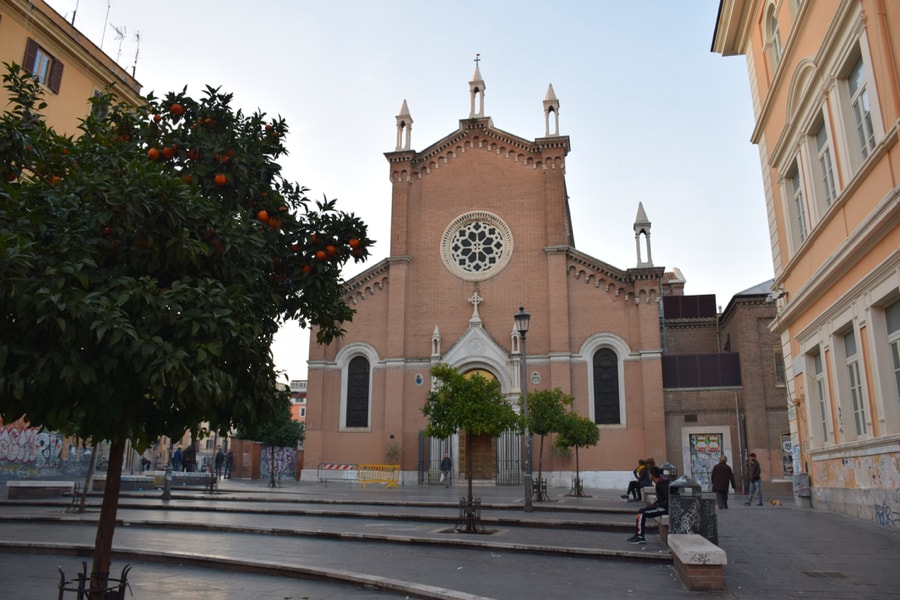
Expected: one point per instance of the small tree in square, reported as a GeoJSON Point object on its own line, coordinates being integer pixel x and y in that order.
{"type": "Point", "coordinates": [577, 432]}
{"type": "Point", "coordinates": [546, 409]}
{"type": "Point", "coordinates": [472, 404]}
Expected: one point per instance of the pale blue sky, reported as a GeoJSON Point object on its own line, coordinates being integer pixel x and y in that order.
{"type": "Point", "coordinates": [653, 115]}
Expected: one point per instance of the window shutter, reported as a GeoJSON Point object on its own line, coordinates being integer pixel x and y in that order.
{"type": "Point", "coordinates": [55, 80]}
{"type": "Point", "coordinates": [31, 49]}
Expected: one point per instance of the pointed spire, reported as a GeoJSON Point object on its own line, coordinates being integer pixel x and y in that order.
{"type": "Point", "coordinates": [642, 229]}
{"type": "Point", "coordinates": [551, 105]}
{"type": "Point", "coordinates": [404, 127]}
{"type": "Point", "coordinates": [551, 95]}
{"type": "Point", "coordinates": [476, 90]}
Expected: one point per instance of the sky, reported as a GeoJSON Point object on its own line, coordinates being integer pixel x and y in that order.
{"type": "Point", "coordinates": [653, 116]}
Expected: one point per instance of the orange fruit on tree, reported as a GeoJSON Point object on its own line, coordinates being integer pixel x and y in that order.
{"type": "Point", "coordinates": [321, 255]}
{"type": "Point", "coordinates": [221, 179]}
{"type": "Point", "coordinates": [312, 238]}
{"type": "Point", "coordinates": [192, 154]}
{"type": "Point", "coordinates": [263, 215]}
{"type": "Point", "coordinates": [273, 222]}
{"type": "Point", "coordinates": [332, 251]}
{"type": "Point", "coordinates": [307, 269]}
{"type": "Point", "coordinates": [157, 118]}
{"type": "Point", "coordinates": [187, 178]}
{"type": "Point", "coordinates": [153, 153]}
{"type": "Point", "coordinates": [176, 109]}
{"type": "Point", "coordinates": [353, 243]}
{"type": "Point", "coordinates": [168, 153]}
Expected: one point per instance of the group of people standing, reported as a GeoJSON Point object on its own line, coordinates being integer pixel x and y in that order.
{"type": "Point", "coordinates": [186, 461]}
{"type": "Point", "coordinates": [722, 477]}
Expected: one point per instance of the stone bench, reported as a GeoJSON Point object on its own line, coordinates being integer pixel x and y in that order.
{"type": "Point", "coordinates": [35, 488]}
{"type": "Point", "coordinates": [698, 562]}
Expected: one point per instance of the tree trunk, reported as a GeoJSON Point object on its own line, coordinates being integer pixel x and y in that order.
{"type": "Point", "coordinates": [579, 489]}
{"type": "Point", "coordinates": [471, 520]}
{"type": "Point", "coordinates": [272, 467]}
{"type": "Point", "coordinates": [540, 495]}
{"type": "Point", "coordinates": [87, 479]}
{"type": "Point", "coordinates": [106, 524]}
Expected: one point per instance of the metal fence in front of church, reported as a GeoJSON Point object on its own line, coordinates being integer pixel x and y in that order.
{"type": "Point", "coordinates": [508, 459]}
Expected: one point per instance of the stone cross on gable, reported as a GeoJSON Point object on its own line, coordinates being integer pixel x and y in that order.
{"type": "Point", "coordinates": [475, 300]}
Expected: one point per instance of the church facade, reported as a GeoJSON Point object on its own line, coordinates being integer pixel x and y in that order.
{"type": "Point", "coordinates": [480, 226]}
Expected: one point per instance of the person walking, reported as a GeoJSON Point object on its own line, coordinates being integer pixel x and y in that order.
{"type": "Point", "coordinates": [722, 477]}
{"type": "Point", "coordinates": [229, 461]}
{"type": "Point", "coordinates": [176, 460]}
{"type": "Point", "coordinates": [446, 469]}
{"type": "Point", "coordinates": [220, 462]}
{"type": "Point", "coordinates": [641, 478]}
{"type": "Point", "coordinates": [755, 481]}
{"type": "Point", "coordinates": [658, 508]}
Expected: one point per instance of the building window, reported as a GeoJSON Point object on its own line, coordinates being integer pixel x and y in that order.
{"type": "Point", "coordinates": [779, 368]}
{"type": "Point", "coordinates": [773, 38]}
{"type": "Point", "coordinates": [797, 207]}
{"type": "Point", "coordinates": [892, 316]}
{"type": "Point", "coordinates": [854, 383]}
{"type": "Point", "coordinates": [357, 406]}
{"type": "Point", "coordinates": [821, 397]}
{"type": "Point", "coordinates": [607, 409]}
{"type": "Point", "coordinates": [825, 188]}
{"type": "Point", "coordinates": [861, 108]}
{"type": "Point", "coordinates": [43, 66]}
{"type": "Point", "coordinates": [302, 412]}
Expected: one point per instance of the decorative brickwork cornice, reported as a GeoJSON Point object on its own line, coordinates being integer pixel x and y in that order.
{"type": "Point", "coordinates": [480, 134]}
{"type": "Point", "coordinates": [640, 285]}
{"type": "Point", "coordinates": [369, 281]}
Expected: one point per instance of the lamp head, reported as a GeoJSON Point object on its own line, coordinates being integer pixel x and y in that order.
{"type": "Point", "coordinates": [523, 320]}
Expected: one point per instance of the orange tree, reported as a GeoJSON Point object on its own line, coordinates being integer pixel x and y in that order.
{"type": "Point", "coordinates": [147, 264]}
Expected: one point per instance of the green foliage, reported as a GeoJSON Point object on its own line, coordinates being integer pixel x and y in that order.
{"type": "Point", "coordinates": [142, 284]}
{"type": "Point", "coordinates": [546, 408]}
{"type": "Point", "coordinates": [474, 404]}
{"type": "Point", "coordinates": [576, 431]}
{"type": "Point", "coordinates": [281, 431]}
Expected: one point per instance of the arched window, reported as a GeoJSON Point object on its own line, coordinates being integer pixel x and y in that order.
{"type": "Point", "coordinates": [357, 405]}
{"type": "Point", "coordinates": [606, 387]}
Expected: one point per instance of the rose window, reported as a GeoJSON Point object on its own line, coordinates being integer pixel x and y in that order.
{"type": "Point", "coordinates": [476, 246]}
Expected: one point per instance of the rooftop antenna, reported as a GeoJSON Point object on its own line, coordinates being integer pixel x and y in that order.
{"type": "Point", "coordinates": [75, 12]}
{"type": "Point", "coordinates": [120, 35]}
{"type": "Point", "coordinates": [137, 53]}
{"type": "Point", "coordinates": [105, 21]}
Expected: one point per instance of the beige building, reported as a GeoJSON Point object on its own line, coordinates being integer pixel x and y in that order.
{"type": "Point", "coordinates": [824, 80]}
{"type": "Point", "coordinates": [480, 225]}
{"type": "Point", "coordinates": [70, 67]}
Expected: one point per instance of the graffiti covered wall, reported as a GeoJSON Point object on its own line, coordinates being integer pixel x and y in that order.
{"type": "Point", "coordinates": [285, 462]}
{"type": "Point", "coordinates": [866, 487]}
{"type": "Point", "coordinates": [32, 453]}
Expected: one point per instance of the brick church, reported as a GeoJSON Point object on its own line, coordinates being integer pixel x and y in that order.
{"type": "Point", "coordinates": [480, 226]}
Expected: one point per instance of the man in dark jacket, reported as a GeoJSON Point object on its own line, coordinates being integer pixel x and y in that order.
{"type": "Point", "coordinates": [755, 480]}
{"type": "Point", "coordinates": [658, 508]}
{"type": "Point", "coordinates": [722, 477]}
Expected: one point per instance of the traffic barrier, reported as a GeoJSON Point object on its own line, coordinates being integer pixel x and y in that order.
{"type": "Point", "coordinates": [386, 474]}
{"type": "Point", "coordinates": [336, 472]}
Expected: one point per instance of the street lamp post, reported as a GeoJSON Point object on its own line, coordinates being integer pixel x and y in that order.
{"type": "Point", "coordinates": [523, 320]}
